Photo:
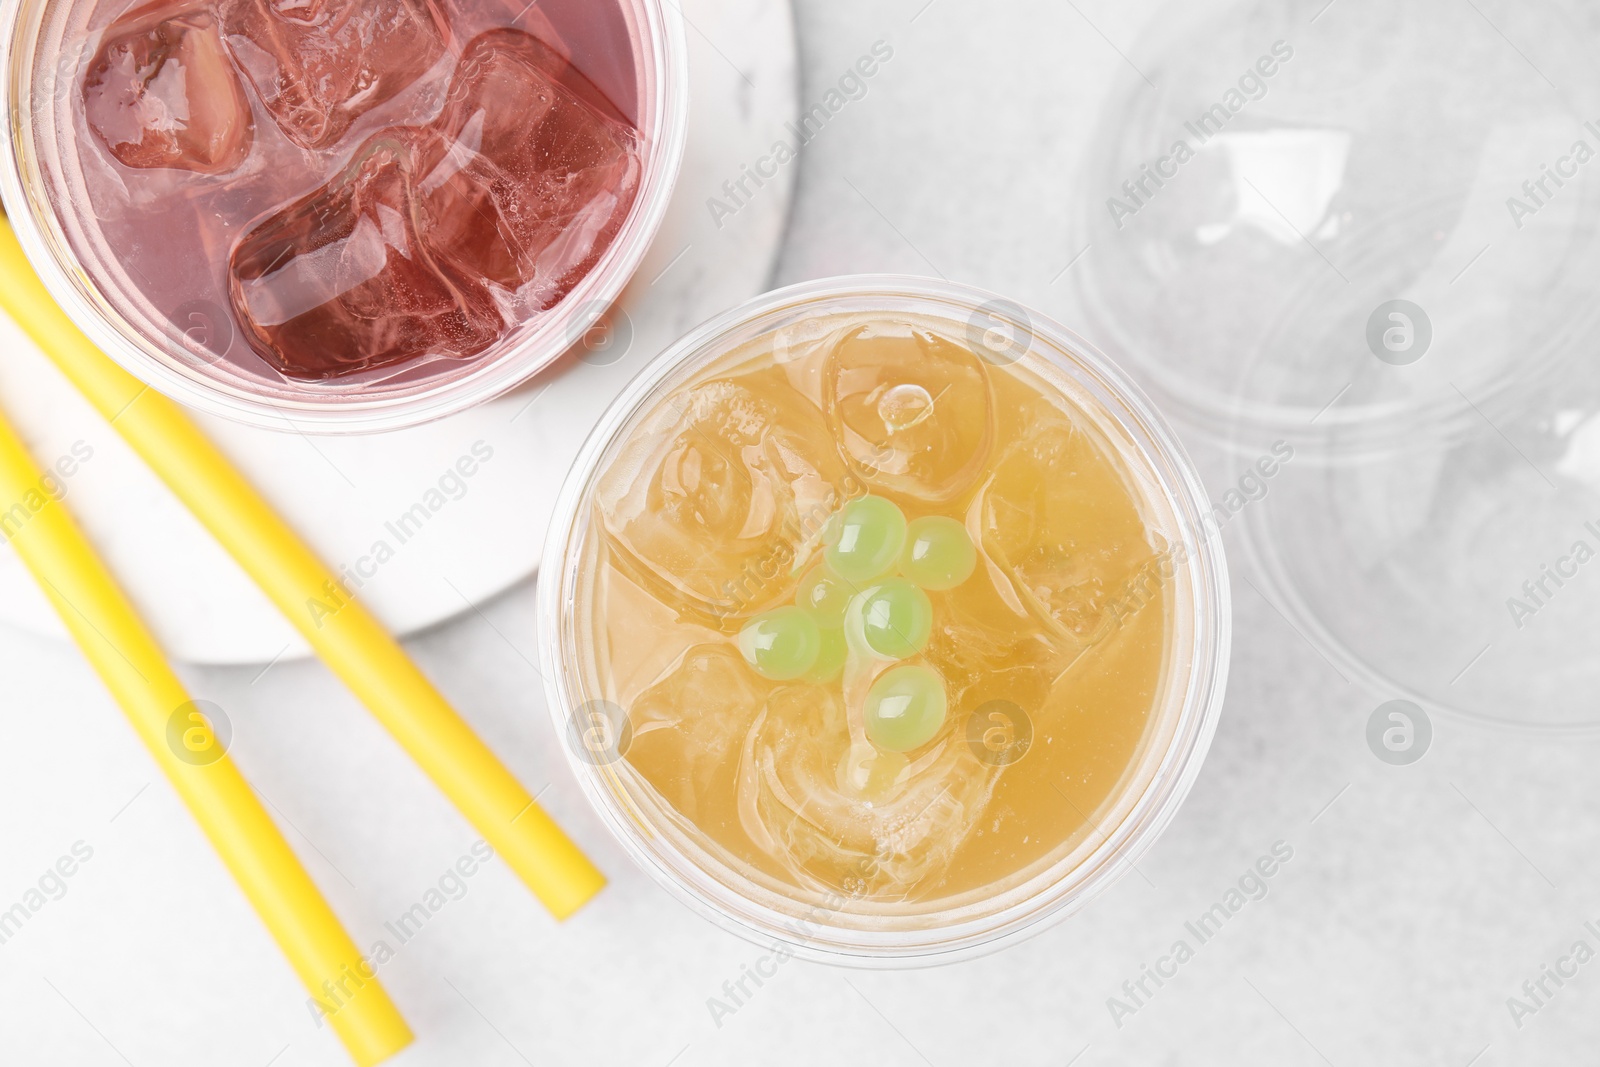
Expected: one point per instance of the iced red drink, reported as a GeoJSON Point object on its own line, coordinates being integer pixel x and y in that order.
{"type": "Point", "coordinates": [368, 188]}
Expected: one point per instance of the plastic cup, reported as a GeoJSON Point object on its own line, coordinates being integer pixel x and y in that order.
{"type": "Point", "coordinates": [45, 49]}
{"type": "Point", "coordinates": [1184, 716]}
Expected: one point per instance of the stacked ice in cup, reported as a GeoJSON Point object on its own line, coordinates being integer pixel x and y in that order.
{"type": "Point", "coordinates": [428, 239]}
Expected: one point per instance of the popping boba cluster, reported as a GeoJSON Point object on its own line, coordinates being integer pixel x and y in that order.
{"type": "Point", "coordinates": [869, 595]}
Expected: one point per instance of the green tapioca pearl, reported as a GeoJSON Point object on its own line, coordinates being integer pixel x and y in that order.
{"type": "Point", "coordinates": [896, 619]}
{"type": "Point", "coordinates": [825, 595]}
{"type": "Point", "coordinates": [830, 529]}
{"type": "Point", "coordinates": [938, 553]}
{"type": "Point", "coordinates": [905, 708]}
{"type": "Point", "coordinates": [830, 658]}
{"type": "Point", "coordinates": [871, 532]}
{"type": "Point", "coordinates": [782, 644]}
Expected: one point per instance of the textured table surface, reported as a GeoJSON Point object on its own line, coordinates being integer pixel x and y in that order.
{"type": "Point", "coordinates": [1417, 899]}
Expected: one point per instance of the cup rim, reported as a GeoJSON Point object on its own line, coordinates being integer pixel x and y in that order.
{"type": "Point", "coordinates": [663, 41]}
{"type": "Point", "coordinates": [1169, 783]}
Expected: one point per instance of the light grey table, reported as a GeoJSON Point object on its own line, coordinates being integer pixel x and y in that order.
{"type": "Point", "coordinates": [1417, 900]}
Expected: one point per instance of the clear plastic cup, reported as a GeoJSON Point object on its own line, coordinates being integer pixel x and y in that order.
{"type": "Point", "coordinates": [1278, 239]}
{"type": "Point", "coordinates": [1190, 689]}
{"type": "Point", "coordinates": [44, 54]}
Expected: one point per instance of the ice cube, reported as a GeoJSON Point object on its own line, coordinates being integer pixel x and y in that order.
{"type": "Point", "coordinates": [987, 646]}
{"type": "Point", "coordinates": [161, 92]}
{"type": "Point", "coordinates": [344, 280]}
{"type": "Point", "coordinates": [543, 170]}
{"type": "Point", "coordinates": [718, 502]}
{"type": "Point", "coordinates": [806, 802]}
{"type": "Point", "coordinates": [689, 728]}
{"type": "Point", "coordinates": [517, 187]}
{"type": "Point", "coordinates": [318, 65]}
{"type": "Point", "coordinates": [913, 410]}
{"type": "Point", "coordinates": [1063, 536]}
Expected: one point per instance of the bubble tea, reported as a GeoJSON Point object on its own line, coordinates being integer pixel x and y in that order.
{"type": "Point", "coordinates": [878, 616]}
{"type": "Point", "coordinates": [366, 189]}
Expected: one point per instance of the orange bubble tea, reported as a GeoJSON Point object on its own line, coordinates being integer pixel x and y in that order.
{"type": "Point", "coordinates": [873, 625]}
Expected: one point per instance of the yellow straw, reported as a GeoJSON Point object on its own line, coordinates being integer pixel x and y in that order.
{"type": "Point", "coordinates": [350, 640]}
{"type": "Point", "coordinates": [129, 662]}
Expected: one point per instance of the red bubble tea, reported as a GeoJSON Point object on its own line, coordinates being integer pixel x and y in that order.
{"type": "Point", "coordinates": [370, 187]}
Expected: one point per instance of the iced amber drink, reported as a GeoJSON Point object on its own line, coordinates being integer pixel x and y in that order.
{"type": "Point", "coordinates": [879, 620]}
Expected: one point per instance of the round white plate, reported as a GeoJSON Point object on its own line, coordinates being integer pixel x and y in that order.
{"type": "Point", "coordinates": [423, 540]}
